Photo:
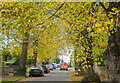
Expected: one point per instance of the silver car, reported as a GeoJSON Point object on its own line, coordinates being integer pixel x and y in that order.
{"type": "Point", "coordinates": [36, 71]}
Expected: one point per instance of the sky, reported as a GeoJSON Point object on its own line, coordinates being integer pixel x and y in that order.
{"type": "Point", "coordinates": [66, 56]}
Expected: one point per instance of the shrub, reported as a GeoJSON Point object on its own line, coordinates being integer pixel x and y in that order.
{"type": "Point", "coordinates": [99, 60]}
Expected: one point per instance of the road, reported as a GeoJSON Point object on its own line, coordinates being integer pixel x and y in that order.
{"type": "Point", "coordinates": [54, 75]}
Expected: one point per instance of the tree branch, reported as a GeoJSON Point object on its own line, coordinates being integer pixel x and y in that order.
{"type": "Point", "coordinates": [54, 13]}
{"type": "Point", "coordinates": [103, 6]}
{"type": "Point", "coordinates": [57, 10]}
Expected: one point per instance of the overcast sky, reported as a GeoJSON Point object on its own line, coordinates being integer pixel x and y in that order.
{"type": "Point", "coordinates": [66, 56]}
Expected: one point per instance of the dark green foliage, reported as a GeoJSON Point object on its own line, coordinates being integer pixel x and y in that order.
{"type": "Point", "coordinates": [99, 60]}
{"type": "Point", "coordinates": [45, 62]}
{"type": "Point", "coordinates": [57, 60]}
{"type": "Point", "coordinates": [15, 61]}
{"type": "Point", "coordinates": [6, 54]}
{"type": "Point", "coordinates": [14, 55]}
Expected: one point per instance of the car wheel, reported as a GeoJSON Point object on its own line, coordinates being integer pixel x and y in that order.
{"type": "Point", "coordinates": [42, 75]}
{"type": "Point", "coordinates": [30, 75]}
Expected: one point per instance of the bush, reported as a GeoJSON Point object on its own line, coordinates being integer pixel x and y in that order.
{"type": "Point", "coordinates": [99, 60]}
{"type": "Point", "coordinates": [6, 54]}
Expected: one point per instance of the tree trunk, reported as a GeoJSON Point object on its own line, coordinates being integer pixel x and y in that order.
{"type": "Point", "coordinates": [35, 52]}
{"type": "Point", "coordinates": [78, 67]}
{"type": "Point", "coordinates": [76, 63]}
{"type": "Point", "coordinates": [90, 75]}
{"type": "Point", "coordinates": [112, 59]}
{"type": "Point", "coordinates": [112, 53]}
{"type": "Point", "coordinates": [112, 56]}
{"type": "Point", "coordinates": [22, 63]}
{"type": "Point", "coordinates": [75, 59]}
{"type": "Point", "coordinates": [89, 72]}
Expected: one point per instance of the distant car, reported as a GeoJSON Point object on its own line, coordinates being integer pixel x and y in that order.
{"type": "Point", "coordinates": [54, 66]}
{"type": "Point", "coordinates": [63, 66]}
{"type": "Point", "coordinates": [50, 66]}
{"type": "Point", "coordinates": [46, 69]}
{"type": "Point", "coordinates": [36, 71]}
{"type": "Point", "coordinates": [58, 65]}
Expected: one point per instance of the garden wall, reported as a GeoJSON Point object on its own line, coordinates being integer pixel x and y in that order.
{"type": "Point", "coordinates": [4, 70]}
{"type": "Point", "coordinates": [12, 68]}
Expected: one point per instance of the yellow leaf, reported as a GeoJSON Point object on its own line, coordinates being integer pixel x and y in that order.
{"type": "Point", "coordinates": [89, 29]}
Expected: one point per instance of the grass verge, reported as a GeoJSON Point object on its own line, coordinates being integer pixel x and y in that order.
{"type": "Point", "coordinates": [73, 77]}
{"type": "Point", "coordinates": [12, 79]}
{"type": "Point", "coordinates": [15, 78]}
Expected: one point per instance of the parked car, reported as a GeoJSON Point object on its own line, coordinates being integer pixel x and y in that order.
{"type": "Point", "coordinates": [50, 66]}
{"type": "Point", "coordinates": [36, 71]}
{"type": "Point", "coordinates": [63, 66]}
{"type": "Point", "coordinates": [58, 65]}
{"type": "Point", "coordinates": [54, 66]}
{"type": "Point", "coordinates": [46, 69]}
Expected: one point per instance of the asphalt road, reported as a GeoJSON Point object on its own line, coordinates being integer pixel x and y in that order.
{"type": "Point", "coordinates": [55, 75]}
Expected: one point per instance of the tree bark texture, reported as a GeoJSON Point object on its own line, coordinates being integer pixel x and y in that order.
{"type": "Point", "coordinates": [22, 63]}
{"type": "Point", "coordinates": [112, 53]}
{"type": "Point", "coordinates": [78, 64]}
{"type": "Point", "coordinates": [112, 57]}
{"type": "Point", "coordinates": [89, 72]}
{"type": "Point", "coordinates": [35, 44]}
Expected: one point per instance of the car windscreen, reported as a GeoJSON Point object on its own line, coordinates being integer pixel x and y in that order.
{"type": "Point", "coordinates": [64, 64]}
{"type": "Point", "coordinates": [35, 68]}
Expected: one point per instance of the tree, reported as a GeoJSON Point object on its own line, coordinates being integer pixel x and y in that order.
{"type": "Point", "coordinates": [81, 19]}
{"type": "Point", "coordinates": [111, 55]}
{"type": "Point", "coordinates": [35, 52]}
{"type": "Point", "coordinates": [25, 19]}
{"type": "Point", "coordinates": [14, 13]}
{"type": "Point", "coordinates": [84, 26]}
